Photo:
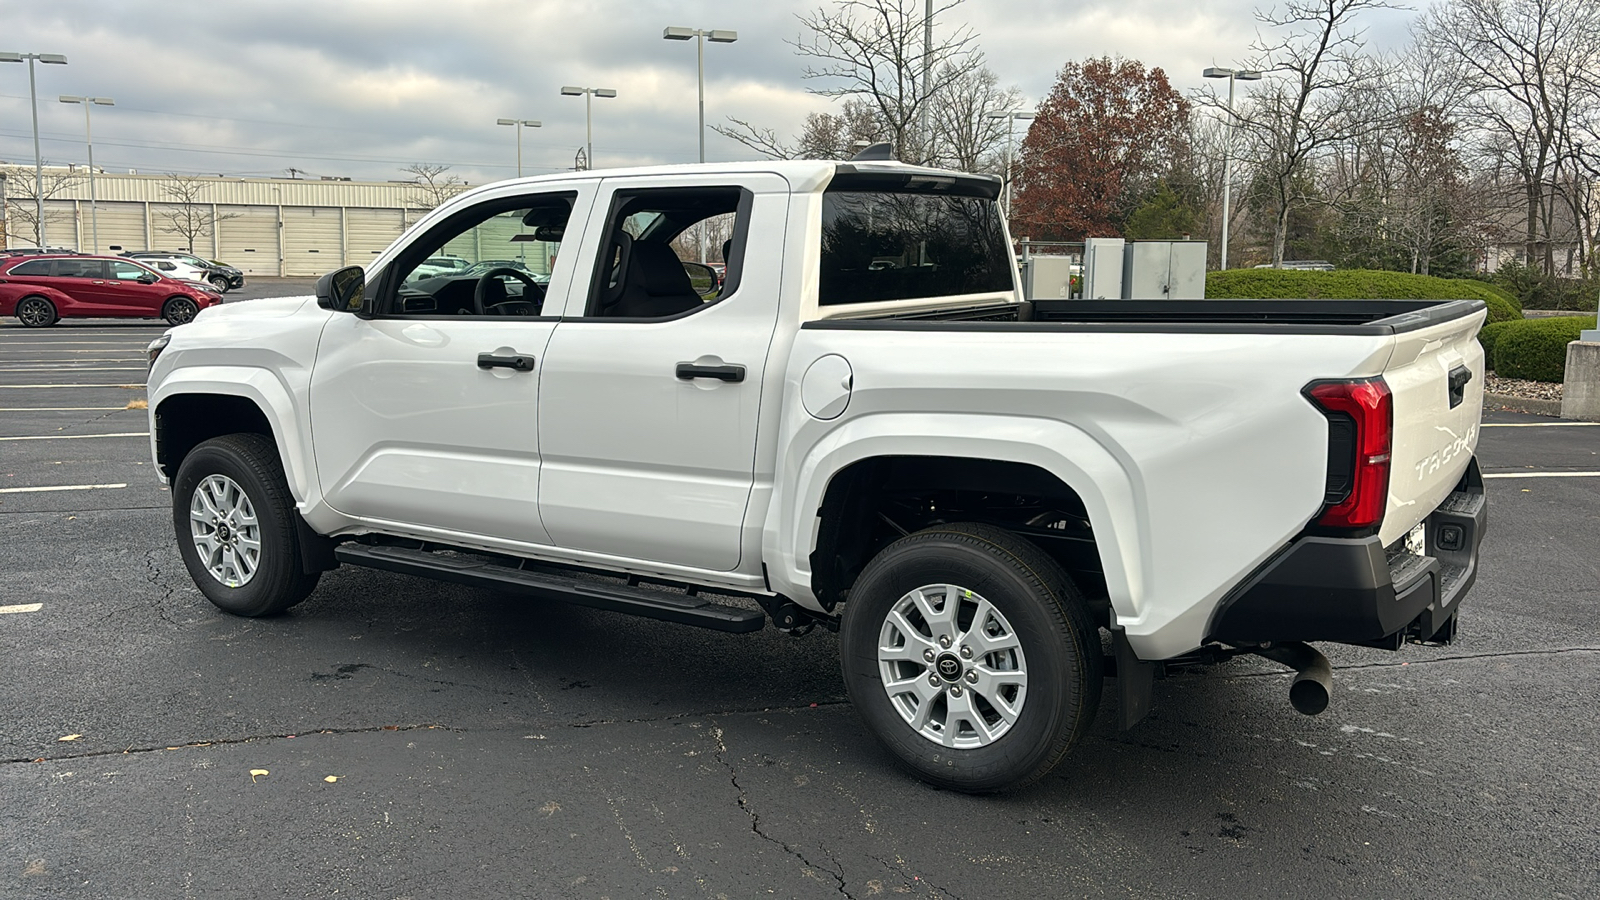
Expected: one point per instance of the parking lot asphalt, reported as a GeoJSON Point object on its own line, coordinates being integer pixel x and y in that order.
{"type": "Point", "coordinates": [426, 740]}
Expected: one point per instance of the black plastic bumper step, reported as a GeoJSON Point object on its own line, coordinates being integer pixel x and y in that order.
{"type": "Point", "coordinates": [653, 604]}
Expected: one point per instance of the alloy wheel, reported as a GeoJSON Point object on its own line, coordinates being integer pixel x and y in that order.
{"type": "Point", "coordinates": [225, 531]}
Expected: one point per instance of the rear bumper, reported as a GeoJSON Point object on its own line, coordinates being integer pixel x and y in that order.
{"type": "Point", "coordinates": [1353, 591]}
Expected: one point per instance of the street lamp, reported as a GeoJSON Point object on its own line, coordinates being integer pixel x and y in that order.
{"type": "Point", "coordinates": [1227, 145]}
{"type": "Point", "coordinates": [53, 59]}
{"type": "Point", "coordinates": [588, 94]}
{"type": "Point", "coordinates": [1011, 118]}
{"type": "Point", "coordinates": [700, 36]}
{"type": "Point", "coordinates": [519, 124]}
{"type": "Point", "coordinates": [88, 139]}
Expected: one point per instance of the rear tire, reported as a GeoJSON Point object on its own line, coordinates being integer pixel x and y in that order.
{"type": "Point", "coordinates": [235, 524]}
{"type": "Point", "coordinates": [37, 312]}
{"type": "Point", "coordinates": [179, 310]}
{"type": "Point", "coordinates": [989, 694]}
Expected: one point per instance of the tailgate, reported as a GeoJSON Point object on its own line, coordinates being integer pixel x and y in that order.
{"type": "Point", "coordinates": [1436, 417]}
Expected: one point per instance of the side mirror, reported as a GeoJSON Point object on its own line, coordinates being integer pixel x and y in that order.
{"type": "Point", "coordinates": [344, 290]}
{"type": "Point", "coordinates": [703, 278]}
{"type": "Point", "coordinates": [149, 278]}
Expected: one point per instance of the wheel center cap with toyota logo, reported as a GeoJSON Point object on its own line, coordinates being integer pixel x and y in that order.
{"type": "Point", "coordinates": [949, 667]}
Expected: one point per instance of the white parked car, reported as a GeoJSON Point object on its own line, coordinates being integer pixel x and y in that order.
{"type": "Point", "coordinates": [177, 268]}
{"type": "Point", "coordinates": [867, 428]}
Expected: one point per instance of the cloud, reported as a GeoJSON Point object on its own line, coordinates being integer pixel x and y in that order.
{"type": "Point", "coordinates": [364, 88]}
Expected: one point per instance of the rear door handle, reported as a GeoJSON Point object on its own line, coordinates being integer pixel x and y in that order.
{"type": "Point", "coordinates": [517, 361]}
{"type": "Point", "coordinates": [730, 374]}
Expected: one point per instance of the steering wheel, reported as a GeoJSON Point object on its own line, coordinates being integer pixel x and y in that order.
{"type": "Point", "coordinates": [530, 289]}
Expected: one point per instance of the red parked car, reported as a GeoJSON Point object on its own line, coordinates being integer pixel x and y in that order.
{"type": "Point", "coordinates": [42, 289]}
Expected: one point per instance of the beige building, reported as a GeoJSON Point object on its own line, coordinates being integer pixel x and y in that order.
{"type": "Point", "coordinates": [264, 226]}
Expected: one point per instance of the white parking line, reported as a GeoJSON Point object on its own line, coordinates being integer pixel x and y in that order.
{"type": "Point", "coordinates": [1542, 475]}
{"type": "Point", "coordinates": [21, 608]}
{"type": "Point", "coordinates": [61, 487]}
{"type": "Point", "coordinates": [1541, 424]}
{"type": "Point", "coordinates": [74, 437]}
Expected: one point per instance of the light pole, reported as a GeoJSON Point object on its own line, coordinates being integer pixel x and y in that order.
{"type": "Point", "coordinates": [88, 139]}
{"type": "Point", "coordinates": [700, 35]}
{"type": "Point", "coordinates": [1011, 118]}
{"type": "Point", "coordinates": [927, 85]}
{"type": "Point", "coordinates": [588, 94]}
{"type": "Point", "coordinates": [54, 59]}
{"type": "Point", "coordinates": [1227, 145]}
{"type": "Point", "coordinates": [519, 124]}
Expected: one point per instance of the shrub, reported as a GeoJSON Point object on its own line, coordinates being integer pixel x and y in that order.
{"type": "Point", "coordinates": [1487, 337]}
{"type": "Point", "coordinates": [1536, 349]}
{"type": "Point", "coordinates": [1356, 284]}
{"type": "Point", "coordinates": [1537, 290]}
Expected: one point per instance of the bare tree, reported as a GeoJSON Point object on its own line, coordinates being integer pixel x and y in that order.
{"type": "Point", "coordinates": [966, 134]}
{"type": "Point", "coordinates": [1531, 66]}
{"type": "Point", "coordinates": [1312, 100]}
{"type": "Point", "coordinates": [874, 49]}
{"type": "Point", "coordinates": [825, 135]}
{"type": "Point", "coordinates": [187, 214]}
{"type": "Point", "coordinates": [22, 205]}
{"type": "Point", "coordinates": [433, 185]}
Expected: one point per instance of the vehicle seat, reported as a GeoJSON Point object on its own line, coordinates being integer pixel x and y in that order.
{"type": "Point", "coordinates": [655, 284]}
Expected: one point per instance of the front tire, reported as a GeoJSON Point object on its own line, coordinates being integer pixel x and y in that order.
{"type": "Point", "coordinates": [36, 312]}
{"type": "Point", "coordinates": [235, 526]}
{"type": "Point", "coordinates": [179, 310]}
{"type": "Point", "coordinates": [219, 282]}
{"type": "Point", "coordinates": [971, 657]}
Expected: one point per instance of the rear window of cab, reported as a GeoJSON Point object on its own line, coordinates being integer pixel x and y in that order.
{"type": "Point", "coordinates": [941, 239]}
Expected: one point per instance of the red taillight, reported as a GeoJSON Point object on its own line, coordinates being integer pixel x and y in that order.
{"type": "Point", "coordinates": [1369, 407]}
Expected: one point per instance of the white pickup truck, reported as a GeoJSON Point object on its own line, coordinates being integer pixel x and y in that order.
{"type": "Point", "coordinates": [998, 503]}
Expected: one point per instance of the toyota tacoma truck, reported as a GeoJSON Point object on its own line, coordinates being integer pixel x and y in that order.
{"type": "Point", "coordinates": [998, 504]}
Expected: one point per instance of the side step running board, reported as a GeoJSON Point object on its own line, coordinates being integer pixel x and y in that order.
{"type": "Point", "coordinates": [654, 604]}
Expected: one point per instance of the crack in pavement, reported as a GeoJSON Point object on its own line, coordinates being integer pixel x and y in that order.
{"type": "Point", "coordinates": [909, 878]}
{"type": "Point", "coordinates": [721, 756]}
{"type": "Point", "coordinates": [154, 575]}
{"type": "Point", "coordinates": [224, 742]}
{"type": "Point", "coordinates": [1467, 657]}
{"type": "Point", "coordinates": [372, 728]}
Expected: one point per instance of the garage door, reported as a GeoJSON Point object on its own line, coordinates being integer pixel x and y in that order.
{"type": "Point", "coordinates": [370, 232]}
{"type": "Point", "coordinates": [247, 237]}
{"type": "Point", "coordinates": [122, 227]}
{"type": "Point", "coordinates": [311, 240]}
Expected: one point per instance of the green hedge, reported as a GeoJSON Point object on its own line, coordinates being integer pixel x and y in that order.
{"type": "Point", "coordinates": [1488, 335]}
{"type": "Point", "coordinates": [1356, 284]}
{"type": "Point", "coordinates": [1536, 349]}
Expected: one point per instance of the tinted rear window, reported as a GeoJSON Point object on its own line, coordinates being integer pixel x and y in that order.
{"type": "Point", "coordinates": [881, 245]}
{"type": "Point", "coordinates": [32, 267]}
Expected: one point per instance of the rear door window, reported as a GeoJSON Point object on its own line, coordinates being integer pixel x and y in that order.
{"type": "Point", "coordinates": [80, 268]}
{"type": "Point", "coordinates": [882, 245]}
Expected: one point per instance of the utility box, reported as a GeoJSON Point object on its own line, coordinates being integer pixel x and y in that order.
{"type": "Point", "coordinates": [1048, 277]}
{"type": "Point", "coordinates": [1102, 269]}
{"type": "Point", "coordinates": [1164, 270]}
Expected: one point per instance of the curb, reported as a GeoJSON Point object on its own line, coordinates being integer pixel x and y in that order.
{"type": "Point", "coordinates": [1511, 403]}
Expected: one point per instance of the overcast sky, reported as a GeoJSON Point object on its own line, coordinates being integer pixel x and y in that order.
{"type": "Point", "coordinates": [363, 88]}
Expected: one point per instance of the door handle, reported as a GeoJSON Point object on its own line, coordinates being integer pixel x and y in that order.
{"type": "Point", "coordinates": [517, 361]}
{"type": "Point", "coordinates": [731, 374]}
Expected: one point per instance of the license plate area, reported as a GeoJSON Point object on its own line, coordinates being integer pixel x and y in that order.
{"type": "Point", "coordinates": [1416, 540]}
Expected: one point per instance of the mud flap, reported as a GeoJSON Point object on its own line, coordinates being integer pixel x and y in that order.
{"type": "Point", "coordinates": [1135, 681]}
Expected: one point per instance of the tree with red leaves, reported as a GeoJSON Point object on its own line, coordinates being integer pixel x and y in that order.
{"type": "Point", "coordinates": [1109, 132]}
